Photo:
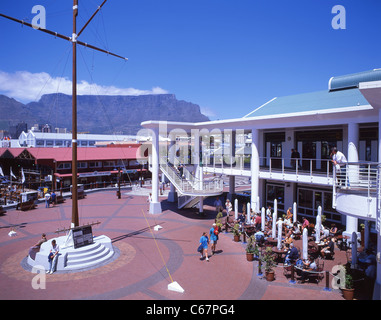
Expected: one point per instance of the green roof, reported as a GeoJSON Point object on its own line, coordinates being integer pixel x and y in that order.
{"type": "Point", "coordinates": [321, 100]}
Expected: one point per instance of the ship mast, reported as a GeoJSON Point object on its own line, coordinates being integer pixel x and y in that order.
{"type": "Point", "coordinates": [74, 144]}
{"type": "Point", "coordinates": [74, 166]}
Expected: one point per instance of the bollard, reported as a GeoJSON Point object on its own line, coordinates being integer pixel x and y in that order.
{"type": "Point", "coordinates": [226, 226]}
{"type": "Point", "coordinates": [327, 288]}
{"type": "Point", "coordinates": [292, 275]}
{"type": "Point", "coordinates": [244, 237]}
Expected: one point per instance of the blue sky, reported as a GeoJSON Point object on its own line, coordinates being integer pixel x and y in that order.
{"type": "Point", "coordinates": [227, 56]}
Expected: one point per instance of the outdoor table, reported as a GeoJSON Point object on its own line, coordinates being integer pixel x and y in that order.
{"type": "Point", "coordinates": [249, 229]}
{"type": "Point", "coordinates": [272, 241]}
{"type": "Point", "coordinates": [279, 252]}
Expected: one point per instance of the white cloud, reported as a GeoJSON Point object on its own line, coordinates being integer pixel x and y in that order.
{"type": "Point", "coordinates": [25, 86]}
{"type": "Point", "coordinates": [208, 112]}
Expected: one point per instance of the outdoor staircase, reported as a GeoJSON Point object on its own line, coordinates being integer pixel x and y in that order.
{"type": "Point", "coordinates": [189, 188]}
{"type": "Point", "coordinates": [87, 257]}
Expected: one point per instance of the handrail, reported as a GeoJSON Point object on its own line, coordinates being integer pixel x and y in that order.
{"type": "Point", "coordinates": [192, 185]}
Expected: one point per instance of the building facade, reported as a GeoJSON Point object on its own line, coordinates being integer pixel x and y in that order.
{"type": "Point", "coordinates": [345, 116]}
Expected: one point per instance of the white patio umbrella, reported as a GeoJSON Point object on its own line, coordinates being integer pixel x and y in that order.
{"type": "Point", "coordinates": [236, 209]}
{"type": "Point", "coordinates": [305, 244]}
{"type": "Point", "coordinates": [318, 225]}
{"type": "Point", "coordinates": [354, 250]}
{"type": "Point", "coordinates": [280, 224]}
{"type": "Point", "coordinates": [248, 216]}
{"type": "Point", "coordinates": [263, 218]}
{"type": "Point", "coordinates": [273, 231]}
{"type": "Point", "coordinates": [294, 213]}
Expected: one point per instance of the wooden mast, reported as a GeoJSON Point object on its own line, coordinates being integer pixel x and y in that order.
{"type": "Point", "coordinates": [74, 168]}
{"type": "Point", "coordinates": [74, 41]}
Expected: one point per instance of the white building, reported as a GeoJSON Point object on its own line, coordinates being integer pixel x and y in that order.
{"type": "Point", "coordinates": [345, 116]}
{"type": "Point", "coordinates": [44, 139]}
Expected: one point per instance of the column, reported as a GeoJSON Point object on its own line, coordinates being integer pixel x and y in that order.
{"type": "Point", "coordinates": [172, 195]}
{"type": "Point", "coordinates": [254, 169]}
{"type": "Point", "coordinates": [377, 285]}
{"type": "Point", "coordinates": [155, 205]}
{"type": "Point", "coordinates": [353, 141]}
{"type": "Point", "coordinates": [232, 143]}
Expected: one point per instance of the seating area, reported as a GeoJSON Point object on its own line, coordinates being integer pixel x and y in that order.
{"type": "Point", "coordinates": [322, 256]}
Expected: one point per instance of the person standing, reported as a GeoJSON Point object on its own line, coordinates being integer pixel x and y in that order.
{"type": "Point", "coordinates": [204, 242]}
{"type": "Point", "coordinates": [218, 205]}
{"type": "Point", "coordinates": [228, 206]}
{"type": "Point", "coordinates": [47, 199]}
{"type": "Point", "coordinates": [338, 160]}
{"type": "Point", "coordinates": [213, 234]}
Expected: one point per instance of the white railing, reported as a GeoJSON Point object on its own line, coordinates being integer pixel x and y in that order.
{"type": "Point", "coordinates": [303, 166]}
{"type": "Point", "coordinates": [357, 179]}
{"type": "Point", "coordinates": [187, 183]}
{"type": "Point", "coordinates": [357, 176]}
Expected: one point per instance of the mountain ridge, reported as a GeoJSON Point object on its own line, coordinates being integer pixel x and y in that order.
{"type": "Point", "coordinates": [100, 114]}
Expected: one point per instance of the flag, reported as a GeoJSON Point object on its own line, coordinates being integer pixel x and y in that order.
{"type": "Point", "coordinates": [22, 176]}
{"type": "Point", "coordinates": [1, 172]}
{"type": "Point", "coordinates": [11, 173]}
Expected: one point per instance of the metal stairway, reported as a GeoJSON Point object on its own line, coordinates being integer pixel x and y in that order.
{"type": "Point", "coordinates": [189, 188]}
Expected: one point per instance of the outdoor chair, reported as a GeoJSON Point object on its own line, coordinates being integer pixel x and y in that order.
{"type": "Point", "coordinates": [318, 274]}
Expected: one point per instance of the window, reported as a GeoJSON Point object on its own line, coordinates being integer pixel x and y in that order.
{"type": "Point", "coordinates": [82, 165]}
{"type": "Point", "coordinates": [309, 200]}
{"type": "Point", "coordinates": [64, 166]}
{"type": "Point", "coordinates": [59, 142]}
{"type": "Point", "coordinates": [95, 164]}
{"type": "Point", "coordinates": [40, 142]}
{"type": "Point", "coordinates": [273, 192]}
{"type": "Point", "coordinates": [49, 142]}
{"type": "Point", "coordinates": [109, 164]}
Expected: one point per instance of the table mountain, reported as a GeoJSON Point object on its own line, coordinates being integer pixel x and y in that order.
{"type": "Point", "coordinates": [101, 114]}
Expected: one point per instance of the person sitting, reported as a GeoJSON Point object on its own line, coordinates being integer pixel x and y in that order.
{"type": "Point", "coordinates": [329, 249]}
{"type": "Point", "coordinates": [242, 217]}
{"type": "Point", "coordinates": [309, 265]}
{"type": "Point", "coordinates": [292, 255]}
{"type": "Point", "coordinates": [305, 224]}
{"type": "Point", "coordinates": [259, 237]}
{"type": "Point", "coordinates": [289, 214]}
{"type": "Point", "coordinates": [257, 221]}
{"type": "Point", "coordinates": [296, 230]}
{"type": "Point", "coordinates": [288, 240]}
{"type": "Point", "coordinates": [324, 232]}
{"type": "Point", "coordinates": [333, 230]}
{"type": "Point", "coordinates": [36, 248]}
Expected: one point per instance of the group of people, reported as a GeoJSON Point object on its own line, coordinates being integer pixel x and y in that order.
{"type": "Point", "coordinates": [50, 198]}
{"type": "Point", "coordinates": [207, 239]}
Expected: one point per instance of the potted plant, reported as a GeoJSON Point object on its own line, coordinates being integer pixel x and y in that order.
{"type": "Point", "coordinates": [269, 263]}
{"type": "Point", "coordinates": [348, 289]}
{"type": "Point", "coordinates": [218, 221]}
{"type": "Point", "coordinates": [250, 248]}
{"type": "Point", "coordinates": [236, 232]}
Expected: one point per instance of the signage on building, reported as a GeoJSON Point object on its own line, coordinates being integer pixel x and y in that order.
{"type": "Point", "coordinates": [94, 174]}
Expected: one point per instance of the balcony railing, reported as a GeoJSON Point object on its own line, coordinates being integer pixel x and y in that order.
{"type": "Point", "coordinates": [357, 176]}
{"type": "Point", "coordinates": [271, 165]}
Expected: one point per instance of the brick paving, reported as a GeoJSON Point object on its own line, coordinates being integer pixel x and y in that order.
{"type": "Point", "coordinates": [137, 271]}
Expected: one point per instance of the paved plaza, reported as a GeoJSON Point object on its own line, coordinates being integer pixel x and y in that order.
{"type": "Point", "coordinates": [137, 270]}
